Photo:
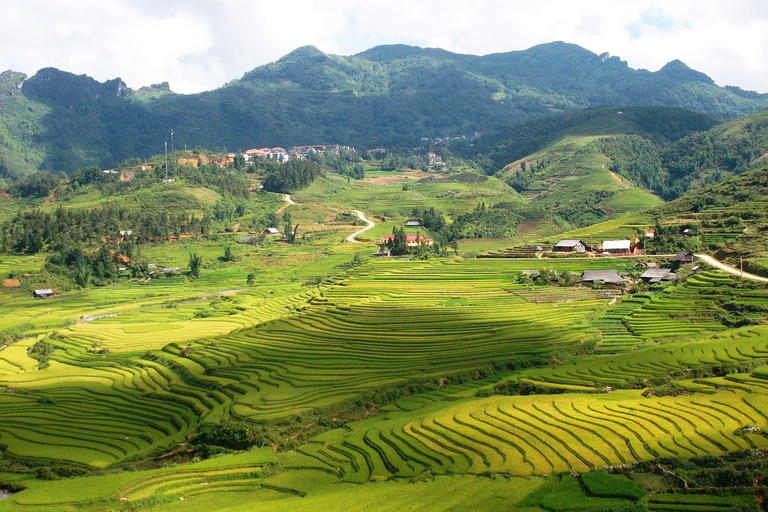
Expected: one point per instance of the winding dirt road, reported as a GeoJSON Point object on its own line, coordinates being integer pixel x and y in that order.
{"type": "Point", "coordinates": [353, 236]}
{"type": "Point", "coordinates": [722, 266]}
{"type": "Point", "coordinates": [288, 202]}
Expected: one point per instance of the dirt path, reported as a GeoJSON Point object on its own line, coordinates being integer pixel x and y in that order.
{"type": "Point", "coordinates": [722, 266]}
{"type": "Point", "coordinates": [353, 236]}
{"type": "Point", "coordinates": [288, 202]}
{"type": "Point", "coordinates": [615, 176]}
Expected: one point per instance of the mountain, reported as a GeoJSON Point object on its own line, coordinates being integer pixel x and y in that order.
{"type": "Point", "coordinates": [726, 218]}
{"type": "Point", "coordinates": [668, 151]}
{"type": "Point", "coordinates": [662, 124]}
{"type": "Point", "coordinates": [388, 95]}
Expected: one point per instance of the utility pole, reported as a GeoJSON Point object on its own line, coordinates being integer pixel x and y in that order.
{"type": "Point", "coordinates": [741, 265]}
{"type": "Point", "coordinates": [166, 162]}
{"type": "Point", "coordinates": [171, 140]}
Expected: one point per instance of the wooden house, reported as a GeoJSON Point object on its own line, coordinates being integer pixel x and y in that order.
{"type": "Point", "coordinates": [657, 275]}
{"type": "Point", "coordinates": [570, 246]}
{"type": "Point", "coordinates": [610, 276]}
{"type": "Point", "coordinates": [684, 257]}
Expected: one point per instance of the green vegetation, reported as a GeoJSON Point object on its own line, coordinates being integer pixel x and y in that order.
{"type": "Point", "coordinates": [293, 175]}
{"type": "Point", "coordinates": [62, 122]}
{"type": "Point", "coordinates": [191, 359]}
{"type": "Point", "coordinates": [648, 125]}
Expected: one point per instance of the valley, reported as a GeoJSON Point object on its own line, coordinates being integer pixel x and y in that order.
{"type": "Point", "coordinates": [570, 314]}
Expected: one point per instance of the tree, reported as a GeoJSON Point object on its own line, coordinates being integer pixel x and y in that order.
{"type": "Point", "coordinates": [195, 262]}
{"type": "Point", "coordinates": [290, 234]}
{"type": "Point", "coordinates": [250, 279]}
{"type": "Point", "coordinates": [82, 273]}
{"type": "Point", "coordinates": [357, 172]}
{"type": "Point", "coordinates": [398, 244]}
{"type": "Point", "coordinates": [228, 256]}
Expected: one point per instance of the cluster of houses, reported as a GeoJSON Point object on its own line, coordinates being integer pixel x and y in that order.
{"type": "Point", "coordinates": [283, 155]}
{"type": "Point", "coordinates": [168, 271]}
{"type": "Point", "coordinates": [129, 173]}
{"type": "Point", "coordinates": [447, 140]}
{"type": "Point", "coordinates": [410, 240]}
{"type": "Point", "coordinates": [435, 160]}
{"type": "Point", "coordinates": [607, 247]}
{"type": "Point", "coordinates": [652, 275]}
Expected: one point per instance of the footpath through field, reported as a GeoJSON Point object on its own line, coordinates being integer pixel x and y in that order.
{"type": "Point", "coordinates": [288, 202]}
{"type": "Point", "coordinates": [371, 224]}
{"type": "Point", "coordinates": [722, 266]}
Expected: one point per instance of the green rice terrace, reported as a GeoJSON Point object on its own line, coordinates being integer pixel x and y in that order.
{"type": "Point", "coordinates": [434, 383]}
{"type": "Point", "coordinates": [290, 369]}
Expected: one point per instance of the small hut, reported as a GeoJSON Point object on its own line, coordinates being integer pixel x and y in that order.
{"type": "Point", "coordinates": [610, 276]}
{"type": "Point", "coordinates": [569, 246]}
{"type": "Point", "coordinates": [684, 257]}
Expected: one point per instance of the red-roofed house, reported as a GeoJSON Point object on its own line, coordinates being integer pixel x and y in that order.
{"type": "Point", "coordinates": [410, 240]}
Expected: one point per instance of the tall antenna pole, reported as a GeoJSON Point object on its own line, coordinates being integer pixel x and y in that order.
{"type": "Point", "coordinates": [166, 162]}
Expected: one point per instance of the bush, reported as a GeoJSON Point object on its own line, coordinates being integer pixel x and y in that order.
{"type": "Point", "coordinates": [606, 485]}
{"type": "Point", "coordinates": [234, 435]}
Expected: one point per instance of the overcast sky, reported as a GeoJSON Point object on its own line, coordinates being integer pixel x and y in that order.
{"type": "Point", "coordinates": [199, 45]}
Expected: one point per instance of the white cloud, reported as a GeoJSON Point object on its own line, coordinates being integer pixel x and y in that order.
{"type": "Point", "coordinates": [201, 44]}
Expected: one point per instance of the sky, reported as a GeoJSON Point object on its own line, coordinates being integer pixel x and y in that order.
{"type": "Point", "coordinates": [199, 45]}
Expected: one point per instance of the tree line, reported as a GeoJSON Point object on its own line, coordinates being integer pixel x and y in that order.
{"type": "Point", "coordinates": [34, 231]}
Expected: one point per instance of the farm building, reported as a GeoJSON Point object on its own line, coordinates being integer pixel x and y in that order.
{"type": "Point", "coordinates": [412, 224]}
{"type": "Point", "coordinates": [43, 294]}
{"type": "Point", "coordinates": [656, 275]}
{"type": "Point", "coordinates": [570, 246]}
{"type": "Point", "coordinates": [684, 257]}
{"type": "Point", "coordinates": [410, 240]}
{"type": "Point", "coordinates": [616, 246]}
{"type": "Point", "coordinates": [271, 231]}
{"type": "Point", "coordinates": [607, 276]}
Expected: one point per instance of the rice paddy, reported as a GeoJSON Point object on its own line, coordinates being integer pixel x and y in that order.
{"type": "Point", "coordinates": [136, 385]}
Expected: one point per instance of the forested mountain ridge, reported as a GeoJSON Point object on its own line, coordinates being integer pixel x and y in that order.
{"type": "Point", "coordinates": [387, 95]}
{"type": "Point", "coordinates": [668, 151]}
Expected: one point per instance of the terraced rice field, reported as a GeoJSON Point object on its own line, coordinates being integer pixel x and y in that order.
{"type": "Point", "coordinates": [525, 436]}
{"type": "Point", "coordinates": [685, 310]}
{"type": "Point", "coordinates": [697, 502]}
{"type": "Point", "coordinates": [116, 390]}
{"type": "Point", "coordinates": [614, 229]}
{"type": "Point", "coordinates": [656, 363]}
{"type": "Point", "coordinates": [242, 472]}
{"type": "Point", "coordinates": [130, 385]}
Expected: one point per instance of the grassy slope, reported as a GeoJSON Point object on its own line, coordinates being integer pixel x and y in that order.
{"type": "Point", "coordinates": [160, 317]}
{"type": "Point", "coordinates": [572, 178]}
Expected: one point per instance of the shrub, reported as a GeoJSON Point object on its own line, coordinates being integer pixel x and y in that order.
{"type": "Point", "coordinates": [234, 435]}
{"type": "Point", "coordinates": [606, 485]}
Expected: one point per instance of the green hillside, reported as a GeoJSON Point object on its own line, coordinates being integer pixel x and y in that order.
{"type": "Point", "coordinates": [205, 334]}
{"type": "Point", "coordinates": [391, 95]}
{"type": "Point", "coordinates": [695, 160]}
{"type": "Point", "coordinates": [727, 218]}
{"type": "Point", "coordinates": [666, 151]}
{"type": "Point", "coordinates": [657, 125]}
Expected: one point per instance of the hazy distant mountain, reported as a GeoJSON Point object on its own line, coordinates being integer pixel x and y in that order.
{"type": "Point", "coordinates": [384, 96]}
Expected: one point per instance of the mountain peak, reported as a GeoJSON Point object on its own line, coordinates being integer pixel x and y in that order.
{"type": "Point", "coordinates": [304, 52]}
{"type": "Point", "coordinates": [678, 70]}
